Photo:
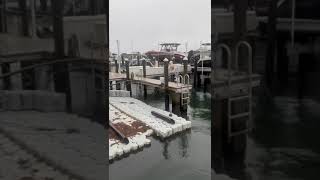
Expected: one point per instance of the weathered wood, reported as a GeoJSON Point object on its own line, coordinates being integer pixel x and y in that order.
{"type": "Point", "coordinates": [123, 138]}
{"type": "Point", "coordinates": [195, 74]}
{"type": "Point", "coordinates": [144, 70]}
{"type": "Point", "coordinates": [166, 83]}
{"type": "Point", "coordinates": [128, 78]}
{"type": "Point", "coordinates": [185, 67]}
{"type": "Point", "coordinates": [117, 65]}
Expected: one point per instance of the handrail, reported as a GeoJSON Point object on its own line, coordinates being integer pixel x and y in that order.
{"type": "Point", "coordinates": [249, 48]}
{"type": "Point", "coordinates": [228, 50]}
{"type": "Point", "coordinates": [188, 79]}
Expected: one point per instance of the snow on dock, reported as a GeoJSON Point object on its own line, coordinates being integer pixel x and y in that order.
{"type": "Point", "coordinates": [153, 117]}
{"type": "Point", "coordinates": [172, 86]}
{"type": "Point", "coordinates": [134, 130]}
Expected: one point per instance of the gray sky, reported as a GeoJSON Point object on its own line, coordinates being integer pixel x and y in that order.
{"type": "Point", "coordinates": [146, 23]}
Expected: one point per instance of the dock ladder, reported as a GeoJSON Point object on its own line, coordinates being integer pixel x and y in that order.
{"type": "Point", "coordinates": [185, 93]}
{"type": "Point", "coordinates": [239, 94]}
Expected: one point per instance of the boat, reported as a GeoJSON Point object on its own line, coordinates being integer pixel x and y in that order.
{"type": "Point", "coordinates": [201, 55]}
{"type": "Point", "coordinates": [169, 51]}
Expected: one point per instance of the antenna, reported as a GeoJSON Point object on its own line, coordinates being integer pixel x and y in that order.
{"type": "Point", "coordinates": [186, 47]}
{"type": "Point", "coordinates": [132, 45]}
{"type": "Point", "coordinates": [118, 47]}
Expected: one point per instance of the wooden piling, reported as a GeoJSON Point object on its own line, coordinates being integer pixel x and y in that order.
{"type": "Point", "coordinates": [122, 61]}
{"type": "Point", "coordinates": [166, 83]}
{"type": "Point", "coordinates": [118, 85]}
{"type": "Point", "coordinates": [195, 73]}
{"type": "Point", "coordinates": [138, 59]}
{"type": "Point", "coordinates": [117, 66]}
{"type": "Point", "coordinates": [128, 78]}
{"type": "Point", "coordinates": [176, 103]}
{"type": "Point", "coordinates": [144, 70]}
{"type": "Point", "coordinates": [185, 66]}
{"type": "Point", "coordinates": [219, 117]}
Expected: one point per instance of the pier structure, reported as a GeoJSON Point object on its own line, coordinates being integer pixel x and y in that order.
{"type": "Point", "coordinates": [159, 77]}
{"type": "Point", "coordinates": [231, 90]}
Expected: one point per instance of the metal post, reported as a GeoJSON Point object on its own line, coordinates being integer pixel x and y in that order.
{"type": "Point", "coordinates": [128, 77]}
{"type": "Point", "coordinates": [195, 76]}
{"type": "Point", "coordinates": [122, 60]}
{"type": "Point", "coordinates": [144, 70]}
{"type": "Point", "coordinates": [117, 66]}
{"type": "Point", "coordinates": [185, 66]}
{"type": "Point", "coordinates": [166, 83]}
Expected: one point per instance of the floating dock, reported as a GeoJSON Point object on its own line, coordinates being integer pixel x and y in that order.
{"type": "Point", "coordinates": [136, 121]}
{"type": "Point", "coordinates": [145, 113]}
{"type": "Point", "coordinates": [135, 131]}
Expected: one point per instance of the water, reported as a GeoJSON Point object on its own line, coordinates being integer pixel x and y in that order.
{"type": "Point", "coordinates": [186, 156]}
{"type": "Point", "coordinates": [284, 144]}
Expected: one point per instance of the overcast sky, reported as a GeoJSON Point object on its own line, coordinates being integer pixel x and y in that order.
{"type": "Point", "coordinates": [143, 24]}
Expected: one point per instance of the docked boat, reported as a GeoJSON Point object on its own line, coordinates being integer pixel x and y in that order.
{"type": "Point", "coordinates": [169, 51]}
{"type": "Point", "coordinates": [201, 55]}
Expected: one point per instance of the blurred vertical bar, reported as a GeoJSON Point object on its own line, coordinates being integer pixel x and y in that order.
{"type": "Point", "coordinates": [106, 70]}
{"type": "Point", "coordinates": [24, 17]}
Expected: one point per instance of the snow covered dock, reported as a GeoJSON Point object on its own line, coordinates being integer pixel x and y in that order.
{"type": "Point", "coordinates": [138, 110]}
{"type": "Point", "coordinates": [136, 121]}
{"type": "Point", "coordinates": [134, 130]}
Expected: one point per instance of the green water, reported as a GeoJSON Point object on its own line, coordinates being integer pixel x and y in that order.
{"type": "Point", "coordinates": [285, 142]}
{"type": "Point", "coordinates": [186, 156]}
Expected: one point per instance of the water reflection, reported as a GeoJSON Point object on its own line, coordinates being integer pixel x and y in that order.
{"type": "Point", "coordinates": [184, 145]}
{"type": "Point", "coordinates": [182, 156]}
{"type": "Point", "coordinates": [283, 144]}
{"type": "Point", "coordinates": [165, 151]}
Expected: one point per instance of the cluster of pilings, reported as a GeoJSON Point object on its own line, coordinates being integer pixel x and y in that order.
{"type": "Point", "coordinates": [178, 99]}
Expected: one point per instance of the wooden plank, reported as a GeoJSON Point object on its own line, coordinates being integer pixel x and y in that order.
{"type": "Point", "coordinates": [172, 86]}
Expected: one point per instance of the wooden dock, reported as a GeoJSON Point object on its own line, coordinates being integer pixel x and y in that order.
{"type": "Point", "coordinates": [172, 86]}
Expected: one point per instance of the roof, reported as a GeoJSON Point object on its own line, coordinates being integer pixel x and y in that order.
{"type": "Point", "coordinates": [173, 44]}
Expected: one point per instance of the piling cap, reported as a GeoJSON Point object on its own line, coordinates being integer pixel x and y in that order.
{"type": "Point", "coordinates": [185, 58]}
{"type": "Point", "coordinates": [165, 60]}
